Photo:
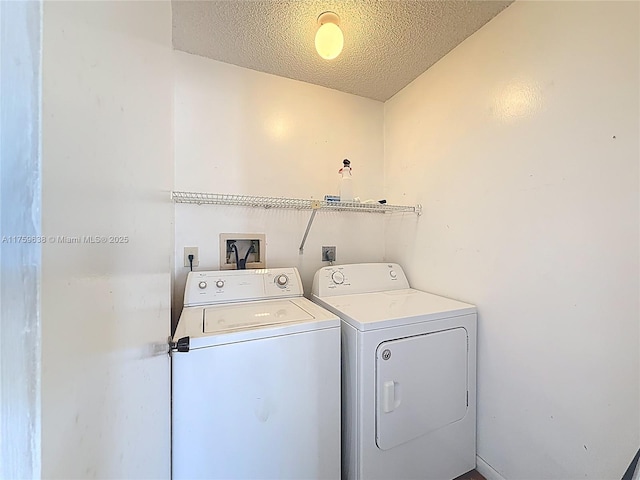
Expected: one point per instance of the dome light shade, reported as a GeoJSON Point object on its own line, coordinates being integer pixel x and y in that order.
{"type": "Point", "coordinates": [329, 38]}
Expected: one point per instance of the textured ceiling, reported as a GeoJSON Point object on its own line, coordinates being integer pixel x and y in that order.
{"type": "Point", "coordinates": [387, 43]}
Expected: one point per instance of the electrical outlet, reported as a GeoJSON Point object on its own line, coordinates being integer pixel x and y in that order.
{"type": "Point", "coordinates": [329, 254]}
{"type": "Point", "coordinates": [191, 251]}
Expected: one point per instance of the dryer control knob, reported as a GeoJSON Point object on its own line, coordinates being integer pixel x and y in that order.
{"type": "Point", "coordinates": [202, 285]}
{"type": "Point", "coordinates": [393, 274]}
{"type": "Point", "coordinates": [220, 283]}
{"type": "Point", "coordinates": [282, 280]}
{"type": "Point", "coordinates": [337, 277]}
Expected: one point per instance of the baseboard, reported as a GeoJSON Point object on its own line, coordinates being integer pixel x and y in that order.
{"type": "Point", "coordinates": [487, 470]}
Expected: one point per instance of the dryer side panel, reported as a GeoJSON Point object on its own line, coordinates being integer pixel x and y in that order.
{"type": "Point", "coordinates": [351, 428]}
{"type": "Point", "coordinates": [421, 385]}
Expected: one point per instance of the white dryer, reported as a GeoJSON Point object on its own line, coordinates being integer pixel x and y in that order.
{"type": "Point", "coordinates": [255, 380]}
{"type": "Point", "coordinates": [408, 375]}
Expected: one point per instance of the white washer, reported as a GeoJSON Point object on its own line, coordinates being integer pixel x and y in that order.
{"type": "Point", "coordinates": [255, 380]}
{"type": "Point", "coordinates": [409, 375]}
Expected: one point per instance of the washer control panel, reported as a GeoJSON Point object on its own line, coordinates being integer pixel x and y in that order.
{"type": "Point", "coordinates": [211, 287]}
{"type": "Point", "coordinates": [358, 278]}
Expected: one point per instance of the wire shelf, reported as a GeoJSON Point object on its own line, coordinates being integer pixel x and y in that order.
{"type": "Point", "coordinates": [291, 203]}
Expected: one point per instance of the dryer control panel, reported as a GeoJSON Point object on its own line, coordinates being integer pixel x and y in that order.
{"type": "Point", "coordinates": [212, 287]}
{"type": "Point", "coordinates": [358, 278]}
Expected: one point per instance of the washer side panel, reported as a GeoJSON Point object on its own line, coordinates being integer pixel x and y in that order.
{"type": "Point", "coordinates": [350, 402]}
{"type": "Point", "coordinates": [267, 408]}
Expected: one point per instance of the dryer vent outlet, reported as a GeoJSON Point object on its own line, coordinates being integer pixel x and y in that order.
{"type": "Point", "coordinates": [238, 250]}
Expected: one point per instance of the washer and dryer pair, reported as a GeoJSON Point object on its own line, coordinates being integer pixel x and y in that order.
{"type": "Point", "coordinates": [258, 390]}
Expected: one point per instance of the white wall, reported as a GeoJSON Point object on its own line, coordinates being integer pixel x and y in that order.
{"type": "Point", "coordinates": [107, 171]}
{"type": "Point", "coordinates": [522, 145]}
{"type": "Point", "coordinates": [240, 131]}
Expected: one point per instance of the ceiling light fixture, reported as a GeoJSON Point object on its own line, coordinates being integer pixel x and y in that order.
{"type": "Point", "coordinates": [329, 38]}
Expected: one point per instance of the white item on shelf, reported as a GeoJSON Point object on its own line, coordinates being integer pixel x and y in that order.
{"type": "Point", "coordinates": [346, 182]}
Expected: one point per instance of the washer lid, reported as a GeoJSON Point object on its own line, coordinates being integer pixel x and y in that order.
{"type": "Point", "coordinates": [371, 311]}
{"type": "Point", "coordinates": [251, 321]}
{"type": "Point", "coordinates": [227, 318]}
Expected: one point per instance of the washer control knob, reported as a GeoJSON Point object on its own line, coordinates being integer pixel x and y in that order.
{"type": "Point", "coordinates": [282, 280]}
{"type": "Point", "coordinates": [202, 285]}
{"type": "Point", "coordinates": [220, 283]}
{"type": "Point", "coordinates": [337, 277]}
{"type": "Point", "coordinates": [393, 274]}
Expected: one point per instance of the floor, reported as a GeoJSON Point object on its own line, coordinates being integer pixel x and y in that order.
{"type": "Point", "coordinates": [472, 475]}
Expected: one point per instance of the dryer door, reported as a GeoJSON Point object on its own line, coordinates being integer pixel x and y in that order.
{"type": "Point", "coordinates": [421, 385]}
